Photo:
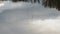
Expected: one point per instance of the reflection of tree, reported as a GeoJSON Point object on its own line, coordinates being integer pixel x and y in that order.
{"type": "Point", "coordinates": [45, 3]}
{"type": "Point", "coordinates": [52, 3]}
{"type": "Point", "coordinates": [19, 0]}
{"type": "Point", "coordinates": [27, 1]}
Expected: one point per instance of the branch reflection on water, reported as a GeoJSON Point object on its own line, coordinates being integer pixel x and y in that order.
{"type": "Point", "coordinates": [45, 3]}
{"type": "Point", "coordinates": [51, 3]}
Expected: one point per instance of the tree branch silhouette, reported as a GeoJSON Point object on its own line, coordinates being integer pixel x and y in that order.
{"type": "Point", "coordinates": [51, 3]}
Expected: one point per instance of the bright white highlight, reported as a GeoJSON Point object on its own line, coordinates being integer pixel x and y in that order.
{"type": "Point", "coordinates": [46, 26]}
{"type": "Point", "coordinates": [1, 4]}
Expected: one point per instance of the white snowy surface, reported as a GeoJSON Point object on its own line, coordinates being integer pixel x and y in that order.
{"type": "Point", "coordinates": [27, 18]}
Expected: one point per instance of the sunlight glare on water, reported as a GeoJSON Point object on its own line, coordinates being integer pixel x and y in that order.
{"type": "Point", "coordinates": [1, 4]}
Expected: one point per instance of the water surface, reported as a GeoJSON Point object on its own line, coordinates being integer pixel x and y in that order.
{"type": "Point", "coordinates": [28, 18]}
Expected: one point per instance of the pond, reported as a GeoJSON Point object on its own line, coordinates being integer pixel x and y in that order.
{"type": "Point", "coordinates": [28, 18]}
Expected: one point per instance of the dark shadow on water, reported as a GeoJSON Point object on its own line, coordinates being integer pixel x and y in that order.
{"type": "Point", "coordinates": [27, 1]}
{"type": "Point", "coordinates": [51, 4]}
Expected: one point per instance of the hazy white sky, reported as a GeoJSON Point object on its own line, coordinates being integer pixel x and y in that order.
{"type": "Point", "coordinates": [27, 18]}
